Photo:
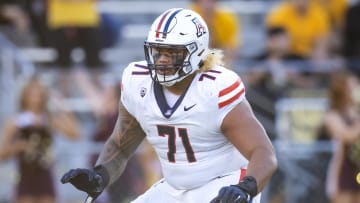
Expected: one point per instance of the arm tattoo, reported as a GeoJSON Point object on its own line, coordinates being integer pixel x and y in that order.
{"type": "Point", "coordinates": [126, 137]}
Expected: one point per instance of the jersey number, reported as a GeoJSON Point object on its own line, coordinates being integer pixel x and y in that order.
{"type": "Point", "coordinates": [170, 132]}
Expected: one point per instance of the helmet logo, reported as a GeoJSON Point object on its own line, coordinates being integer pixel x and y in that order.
{"type": "Point", "coordinates": [160, 24]}
{"type": "Point", "coordinates": [164, 23]}
{"type": "Point", "coordinates": [200, 29]}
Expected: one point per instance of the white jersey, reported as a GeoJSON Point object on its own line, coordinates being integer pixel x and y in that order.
{"type": "Point", "coordinates": [187, 137]}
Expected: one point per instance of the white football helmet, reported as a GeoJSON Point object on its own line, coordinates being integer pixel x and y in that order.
{"type": "Point", "coordinates": [179, 30]}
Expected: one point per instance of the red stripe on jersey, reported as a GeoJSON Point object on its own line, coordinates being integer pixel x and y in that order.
{"type": "Point", "coordinates": [230, 88]}
{"type": "Point", "coordinates": [160, 23]}
{"type": "Point", "coordinates": [229, 101]}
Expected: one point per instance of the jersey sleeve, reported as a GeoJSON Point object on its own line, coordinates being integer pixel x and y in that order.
{"type": "Point", "coordinates": [126, 91]}
{"type": "Point", "coordinates": [230, 92]}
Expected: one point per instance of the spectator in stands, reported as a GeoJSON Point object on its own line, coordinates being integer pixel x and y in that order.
{"type": "Point", "coordinates": [104, 100]}
{"type": "Point", "coordinates": [269, 76]}
{"type": "Point", "coordinates": [274, 65]}
{"type": "Point", "coordinates": [36, 10]}
{"type": "Point", "coordinates": [14, 24]}
{"type": "Point", "coordinates": [282, 64]}
{"type": "Point", "coordinates": [335, 10]}
{"type": "Point", "coordinates": [276, 71]}
{"type": "Point", "coordinates": [224, 26]}
{"type": "Point", "coordinates": [75, 23]}
{"type": "Point", "coordinates": [307, 24]}
{"type": "Point", "coordinates": [29, 137]}
{"type": "Point", "coordinates": [342, 124]}
{"type": "Point", "coordinates": [277, 45]}
{"type": "Point", "coordinates": [351, 37]}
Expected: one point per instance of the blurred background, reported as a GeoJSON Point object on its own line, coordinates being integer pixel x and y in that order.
{"type": "Point", "coordinates": [70, 55]}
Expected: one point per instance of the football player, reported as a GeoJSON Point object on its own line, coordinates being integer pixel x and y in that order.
{"type": "Point", "coordinates": [195, 114]}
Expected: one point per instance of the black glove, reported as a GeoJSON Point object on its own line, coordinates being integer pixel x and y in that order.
{"type": "Point", "coordinates": [91, 181]}
{"type": "Point", "coordinates": [240, 193]}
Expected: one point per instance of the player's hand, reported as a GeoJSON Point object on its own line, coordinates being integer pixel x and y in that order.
{"type": "Point", "coordinates": [231, 194]}
{"type": "Point", "coordinates": [86, 180]}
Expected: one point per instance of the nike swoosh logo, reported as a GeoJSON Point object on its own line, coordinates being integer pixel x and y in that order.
{"type": "Point", "coordinates": [188, 108]}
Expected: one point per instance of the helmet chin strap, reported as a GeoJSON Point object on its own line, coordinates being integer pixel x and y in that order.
{"type": "Point", "coordinates": [168, 82]}
{"type": "Point", "coordinates": [176, 75]}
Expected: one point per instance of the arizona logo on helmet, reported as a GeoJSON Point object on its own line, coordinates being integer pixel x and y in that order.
{"type": "Point", "coordinates": [199, 27]}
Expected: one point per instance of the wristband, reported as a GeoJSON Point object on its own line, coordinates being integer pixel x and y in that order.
{"type": "Point", "coordinates": [101, 170]}
{"type": "Point", "coordinates": [249, 185]}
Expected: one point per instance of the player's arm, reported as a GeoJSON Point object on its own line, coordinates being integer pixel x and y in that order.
{"type": "Point", "coordinates": [245, 132]}
{"type": "Point", "coordinates": [125, 138]}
